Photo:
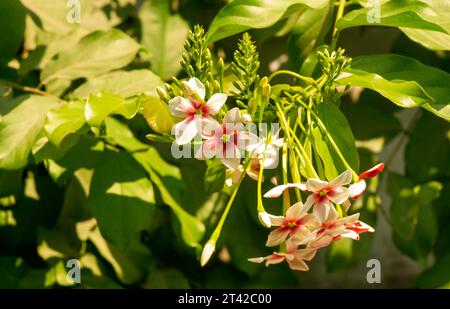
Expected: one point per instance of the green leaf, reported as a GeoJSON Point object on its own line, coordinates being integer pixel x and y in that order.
{"type": "Point", "coordinates": [403, 80]}
{"type": "Point", "coordinates": [163, 35]}
{"type": "Point", "coordinates": [10, 182]}
{"type": "Point", "coordinates": [214, 176]}
{"type": "Point", "coordinates": [339, 129]}
{"type": "Point", "coordinates": [412, 218]}
{"type": "Point", "coordinates": [400, 13]}
{"type": "Point", "coordinates": [157, 115]}
{"type": "Point", "coordinates": [309, 32]}
{"type": "Point", "coordinates": [20, 128]}
{"type": "Point", "coordinates": [165, 177]}
{"type": "Point", "coordinates": [12, 23]}
{"type": "Point", "coordinates": [100, 106]}
{"type": "Point", "coordinates": [192, 229]}
{"type": "Point", "coordinates": [239, 16]}
{"type": "Point", "coordinates": [52, 16]}
{"type": "Point", "coordinates": [124, 83]}
{"type": "Point", "coordinates": [95, 54]}
{"type": "Point", "coordinates": [433, 135]}
{"type": "Point", "coordinates": [121, 197]}
{"type": "Point", "coordinates": [63, 120]}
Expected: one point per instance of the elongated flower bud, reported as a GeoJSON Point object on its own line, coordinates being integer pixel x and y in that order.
{"type": "Point", "coordinates": [162, 93]}
{"type": "Point", "coordinates": [207, 252]}
{"type": "Point", "coordinates": [264, 218]}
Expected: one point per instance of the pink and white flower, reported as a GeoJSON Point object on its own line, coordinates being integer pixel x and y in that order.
{"type": "Point", "coordinates": [293, 256]}
{"type": "Point", "coordinates": [194, 110]}
{"type": "Point", "coordinates": [296, 225]}
{"type": "Point", "coordinates": [268, 148]}
{"type": "Point", "coordinates": [358, 188]}
{"type": "Point", "coordinates": [323, 192]}
{"type": "Point", "coordinates": [227, 140]}
{"type": "Point", "coordinates": [332, 228]}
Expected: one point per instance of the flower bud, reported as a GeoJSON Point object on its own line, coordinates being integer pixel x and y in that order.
{"type": "Point", "coordinates": [207, 252]}
{"type": "Point", "coordinates": [266, 90]}
{"type": "Point", "coordinates": [264, 81]}
{"type": "Point", "coordinates": [162, 93]}
{"type": "Point", "coordinates": [246, 118]}
{"type": "Point", "coordinates": [187, 88]}
{"type": "Point", "coordinates": [264, 218]}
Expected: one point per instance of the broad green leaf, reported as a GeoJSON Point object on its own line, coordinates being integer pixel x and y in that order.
{"type": "Point", "coordinates": [124, 83]}
{"type": "Point", "coordinates": [433, 40]}
{"type": "Point", "coordinates": [403, 80]}
{"type": "Point", "coordinates": [309, 32]}
{"type": "Point", "coordinates": [121, 197]}
{"type": "Point", "coordinates": [10, 182]}
{"type": "Point", "coordinates": [400, 13]}
{"type": "Point", "coordinates": [55, 16]}
{"type": "Point", "coordinates": [95, 54]}
{"type": "Point", "coordinates": [214, 176]}
{"type": "Point", "coordinates": [157, 115]}
{"type": "Point", "coordinates": [163, 35]}
{"type": "Point", "coordinates": [412, 218]}
{"type": "Point", "coordinates": [165, 177]}
{"type": "Point", "coordinates": [239, 16]}
{"type": "Point", "coordinates": [372, 117]}
{"type": "Point", "coordinates": [339, 129]}
{"type": "Point", "coordinates": [433, 135]}
{"type": "Point", "coordinates": [100, 106]}
{"type": "Point", "coordinates": [63, 120]}
{"type": "Point", "coordinates": [20, 128]}
{"type": "Point", "coordinates": [12, 24]}
{"type": "Point", "coordinates": [192, 229]}
{"type": "Point", "coordinates": [129, 264]}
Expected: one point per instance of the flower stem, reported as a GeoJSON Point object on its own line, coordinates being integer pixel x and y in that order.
{"type": "Point", "coordinates": [306, 79]}
{"type": "Point", "coordinates": [332, 142]}
{"type": "Point", "coordinates": [33, 90]}
{"type": "Point", "coordinates": [336, 31]}
{"type": "Point", "coordinates": [215, 235]}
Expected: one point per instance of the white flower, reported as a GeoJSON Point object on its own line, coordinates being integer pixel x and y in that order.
{"type": "Point", "coordinates": [194, 110]}
{"type": "Point", "coordinates": [268, 148]}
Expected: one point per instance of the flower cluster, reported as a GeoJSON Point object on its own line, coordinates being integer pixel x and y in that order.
{"type": "Point", "coordinates": [226, 140]}
{"type": "Point", "coordinates": [302, 232]}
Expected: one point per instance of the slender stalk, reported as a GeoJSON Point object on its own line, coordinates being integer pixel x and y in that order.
{"type": "Point", "coordinates": [33, 90]}
{"type": "Point", "coordinates": [332, 142]}
{"type": "Point", "coordinates": [260, 206]}
{"type": "Point", "coordinates": [336, 31]}
{"type": "Point", "coordinates": [299, 145]}
{"type": "Point", "coordinates": [306, 79]}
{"type": "Point", "coordinates": [215, 235]}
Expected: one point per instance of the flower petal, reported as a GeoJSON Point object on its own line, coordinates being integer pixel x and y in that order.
{"type": "Point", "coordinates": [215, 103]}
{"type": "Point", "coordinates": [233, 116]}
{"type": "Point", "coordinates": [276, 220]}
{"type": "Point", "coordinates": [276, 237]}
{"type": "Point", "coordinates": [325, 212]}
{"type": "Point", "coordinates": [343, 179]}
{"type": "Point", "coordinates": [374, 171]}
{"type": "Point", "coordinates": [180, 107]}
{"type": "Point", "coordinates": [275, 258]}
{"type": "Point", "coordinates": [357, 189]}
{"type": "Point", "coordinates": [338, 195]}
{"type": "Point", "coordinates": [185, 131]}
{"type": "Point", "coordinates": [197, 86]}
{"type": "Point", "coordinates": [305, 254]}
{"type": "Point", "coordinates": [296, 211]}
{"type": "Point", "coordinates": [256, 260]}
{"type": "Point", "coordinates": [278, 190]}
{"type": "Point", "coordinates": [296, 264]}
{"type": "Point", "coordinates": [314, 185]}
{"type": "Point", "coordinates": [348, 219]}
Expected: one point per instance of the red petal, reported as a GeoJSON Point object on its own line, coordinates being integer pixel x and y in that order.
{"type": "Point", "coordinates": [374, 171]}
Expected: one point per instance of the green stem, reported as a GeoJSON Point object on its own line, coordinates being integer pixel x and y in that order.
{"type": "Point", "coordinates": [215, 235]}
{"type": "Point", "coordinates": [33, 90]}
{"type": "Point", "coordinates": [260, 206]}
{"type": "Point", "coordinates": [286, 130]}
{"type": "Point", "coordinates": [336, 31]}
{"type": "Point", "coordinates": [332, 142]}
{"type": "Point", "coordinates": [306, 79]}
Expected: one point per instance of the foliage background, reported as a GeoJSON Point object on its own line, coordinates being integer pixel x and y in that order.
{"type": "Point", "coordinates": [101, 194]}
